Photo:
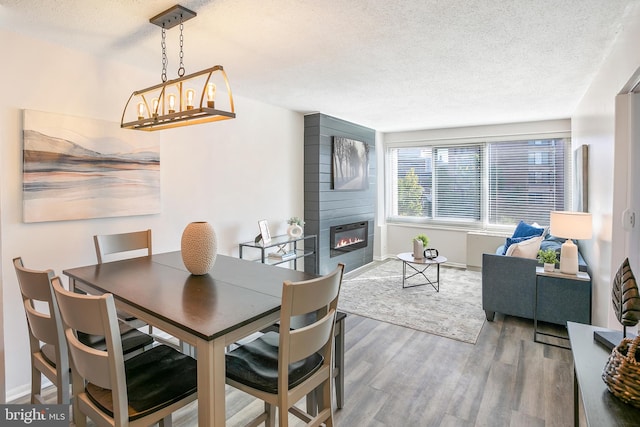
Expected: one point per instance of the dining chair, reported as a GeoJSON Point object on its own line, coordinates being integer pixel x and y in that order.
{"type": "Point", "coordinates": [109, 390]}
{"type": "Point", "coordinates": [45, 326]}
{"type": "Point", "coordinates": [338, 355]}
{"type": "Point", "coordinates": [111, 247]}
{"type": "Point", "coordinates": [282, 367]}
{"type": "Point", "coordinates": [50, 359]}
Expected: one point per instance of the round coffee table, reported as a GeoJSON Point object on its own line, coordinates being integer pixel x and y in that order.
{"type": "Point", "coordinates": [408, 260]}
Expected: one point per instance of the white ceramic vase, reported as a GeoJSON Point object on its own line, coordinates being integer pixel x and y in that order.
{"type": "Point", "coordinates": [294, 231]}
{"type": "Point", "coordinates": [418, 249]}
{"type": "Point", "coordinates": [549, 267]}
{"type": "Point", "coordinates": [199, 247]}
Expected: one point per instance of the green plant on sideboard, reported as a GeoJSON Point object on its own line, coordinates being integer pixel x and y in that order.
{"type": "Point", "coordinates": [547, 256]}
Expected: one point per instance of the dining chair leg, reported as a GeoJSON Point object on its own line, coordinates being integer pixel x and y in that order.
{"type": "Point", "coordinates": [338, 369]}
{"type": "Point", "coordinates": [312, 402]}
{"type": "Point", "coordinates": [36, 386]}
{"type": "Point", "coordinates": [271, 415]}
{"type": "Point", "coordinates": [186, 348]}
{"type": "Point", "coordinates": [339, 362]}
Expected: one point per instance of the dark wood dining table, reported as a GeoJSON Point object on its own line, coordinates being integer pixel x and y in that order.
{"type": "Point", "coordinates": [237, 298]}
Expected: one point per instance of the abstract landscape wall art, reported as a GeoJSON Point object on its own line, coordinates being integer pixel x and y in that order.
{"type": "Point", "coordinates": [79, 168]}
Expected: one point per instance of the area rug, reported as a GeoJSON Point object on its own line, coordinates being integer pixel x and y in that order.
{"type": "Point", "coordinates": [455, 312]}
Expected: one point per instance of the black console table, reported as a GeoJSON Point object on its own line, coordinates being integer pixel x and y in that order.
{"type": "Point", "coordinates": [286, 245]}
{"type": "Point", "coordinates": [601, 408]}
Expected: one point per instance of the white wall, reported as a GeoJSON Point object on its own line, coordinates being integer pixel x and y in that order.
{"type": "Point", "coordinates": [230, 173]}
{"type": "Point", "coordinates": [594, 124]}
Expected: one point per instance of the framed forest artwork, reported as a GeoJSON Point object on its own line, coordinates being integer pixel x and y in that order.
{"type": "Point", "coordinates": [350, 160]}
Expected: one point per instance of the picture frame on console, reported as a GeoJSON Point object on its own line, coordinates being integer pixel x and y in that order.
{"type": "Point", "coordinates": [350, 164]}
{"type": "Point", "coordinates": [264, 235]}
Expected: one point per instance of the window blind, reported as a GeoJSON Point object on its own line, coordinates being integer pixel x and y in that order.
{"type": "Point", "coordinates": [497, 183]}
{"type": "Point", "coordinates": [526, 180]}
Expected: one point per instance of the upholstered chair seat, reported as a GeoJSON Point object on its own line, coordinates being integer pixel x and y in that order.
{"type": "Point", "coordinates": [255, 364]}
{"type": "Point", "coordinates": [178, 380]}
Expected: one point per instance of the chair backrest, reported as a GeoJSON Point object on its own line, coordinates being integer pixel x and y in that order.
{"type": "Point", "coordinates": [111, 244]}
{"type": "Point", "coordinates": [44, 326]}
{"type": "Point", "coordinates": [317, 296]}
{"type": "Point", "coordinates": [96, 315]}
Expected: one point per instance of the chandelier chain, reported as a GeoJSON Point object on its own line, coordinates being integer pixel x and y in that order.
{"type": "Point", "coordinates": [164, 55]}
{"type": "Point", "coordinates": [181, 68]}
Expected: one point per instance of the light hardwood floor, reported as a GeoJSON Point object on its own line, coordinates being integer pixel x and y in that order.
{"type": "Point", "coordinates": [401, 377]}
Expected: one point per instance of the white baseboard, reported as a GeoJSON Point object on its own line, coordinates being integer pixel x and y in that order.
{"type": "Point", "coordinates": [24, 390]}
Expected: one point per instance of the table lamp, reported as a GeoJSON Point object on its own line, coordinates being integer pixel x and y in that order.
{"type": "Point", "coordinates": [570, 225]}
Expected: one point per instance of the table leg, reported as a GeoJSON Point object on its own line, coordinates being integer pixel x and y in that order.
{"type": "Point", "coordinates": [211, 381]}
{"type": "Point", "coordinates": [404, 272]}
{"type": "Point", "coordinates": [422, 272]}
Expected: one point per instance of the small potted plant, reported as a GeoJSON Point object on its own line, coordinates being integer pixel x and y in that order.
{"type": "Point", "coordinates": [420, 243]}
{"type": "Point", "coordinates": [549, 258]}
{"type": "Point", "coordinates": [295, 227]}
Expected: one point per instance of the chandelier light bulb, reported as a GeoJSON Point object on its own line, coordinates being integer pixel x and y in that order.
{"type": "Point", "coordinates": [211, 94]}
{"type": "Point", "coordinates": [140, 110]}
{"type": "Point", "coordinates": [172, 103]}
{"type": "Point", "coordinates": [190, 95]}
{"type": "Point", "coordinates": [154, 103]}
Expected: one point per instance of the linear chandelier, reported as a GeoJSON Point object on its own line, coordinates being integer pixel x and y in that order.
{"type": "Point", "coordinates": [188, 100]}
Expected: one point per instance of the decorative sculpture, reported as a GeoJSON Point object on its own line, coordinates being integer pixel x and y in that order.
{"type": "Point", "coordinates": [621, 373]}
{"type": "Point", "coordinates": [625, 296]}
{"type": "Point", "coordinates": [626, 304]}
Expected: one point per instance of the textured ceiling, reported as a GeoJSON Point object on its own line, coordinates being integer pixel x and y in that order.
{"type": "Point", "coordinates": [388, 65]}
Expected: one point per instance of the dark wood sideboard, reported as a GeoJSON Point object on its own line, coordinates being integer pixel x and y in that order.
{"type": "Point", "coordinates": [601, 408]}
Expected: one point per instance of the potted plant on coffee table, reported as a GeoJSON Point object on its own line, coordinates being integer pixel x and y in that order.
{"type": "Point", "coordinates": [420, 243]}
{"type": "Point", "coordinates": [548, 257]}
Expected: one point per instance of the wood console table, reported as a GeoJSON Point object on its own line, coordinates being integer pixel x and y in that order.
{"type": "Point", "coordinates": [601, 408]}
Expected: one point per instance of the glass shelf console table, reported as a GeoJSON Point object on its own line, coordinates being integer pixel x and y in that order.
{"type": "Point", "coordinates": [283, 249]}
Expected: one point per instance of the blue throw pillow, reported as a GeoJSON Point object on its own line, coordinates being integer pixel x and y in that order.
{"type": "Point", "coordinates": [511, 240]}
{"type": "Point", "coordinates": [525, 230]}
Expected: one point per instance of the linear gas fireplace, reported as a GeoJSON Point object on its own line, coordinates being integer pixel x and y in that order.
{"type": "Point", "coordinates": [348, 237]}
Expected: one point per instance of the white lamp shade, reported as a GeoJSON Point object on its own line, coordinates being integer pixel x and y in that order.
{"type": "Point", "coordinates": [571, 225]}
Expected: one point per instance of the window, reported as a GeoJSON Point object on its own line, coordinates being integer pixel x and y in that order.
{"type": "Point", "coordinates": [487, 183]}
{"type": "Point", "coordinates": [526, 180]}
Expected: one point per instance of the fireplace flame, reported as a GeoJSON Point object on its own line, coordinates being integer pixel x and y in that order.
{"type": "Point", "coordinates": [348, 242]}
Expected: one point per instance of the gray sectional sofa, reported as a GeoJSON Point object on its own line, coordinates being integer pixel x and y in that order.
{"type": "Point", "coordinates": [508, 285]}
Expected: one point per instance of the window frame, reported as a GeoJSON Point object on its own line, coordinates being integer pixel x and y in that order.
{"type": "Point", "coordinates": [484, 142]}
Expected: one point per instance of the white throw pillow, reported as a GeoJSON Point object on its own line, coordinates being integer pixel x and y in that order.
{"type": "Point", "coordinates": [527, 249]}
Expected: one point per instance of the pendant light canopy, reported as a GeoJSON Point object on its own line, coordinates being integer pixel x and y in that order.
{"type": "Point", "coordinates": [188, 100]}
